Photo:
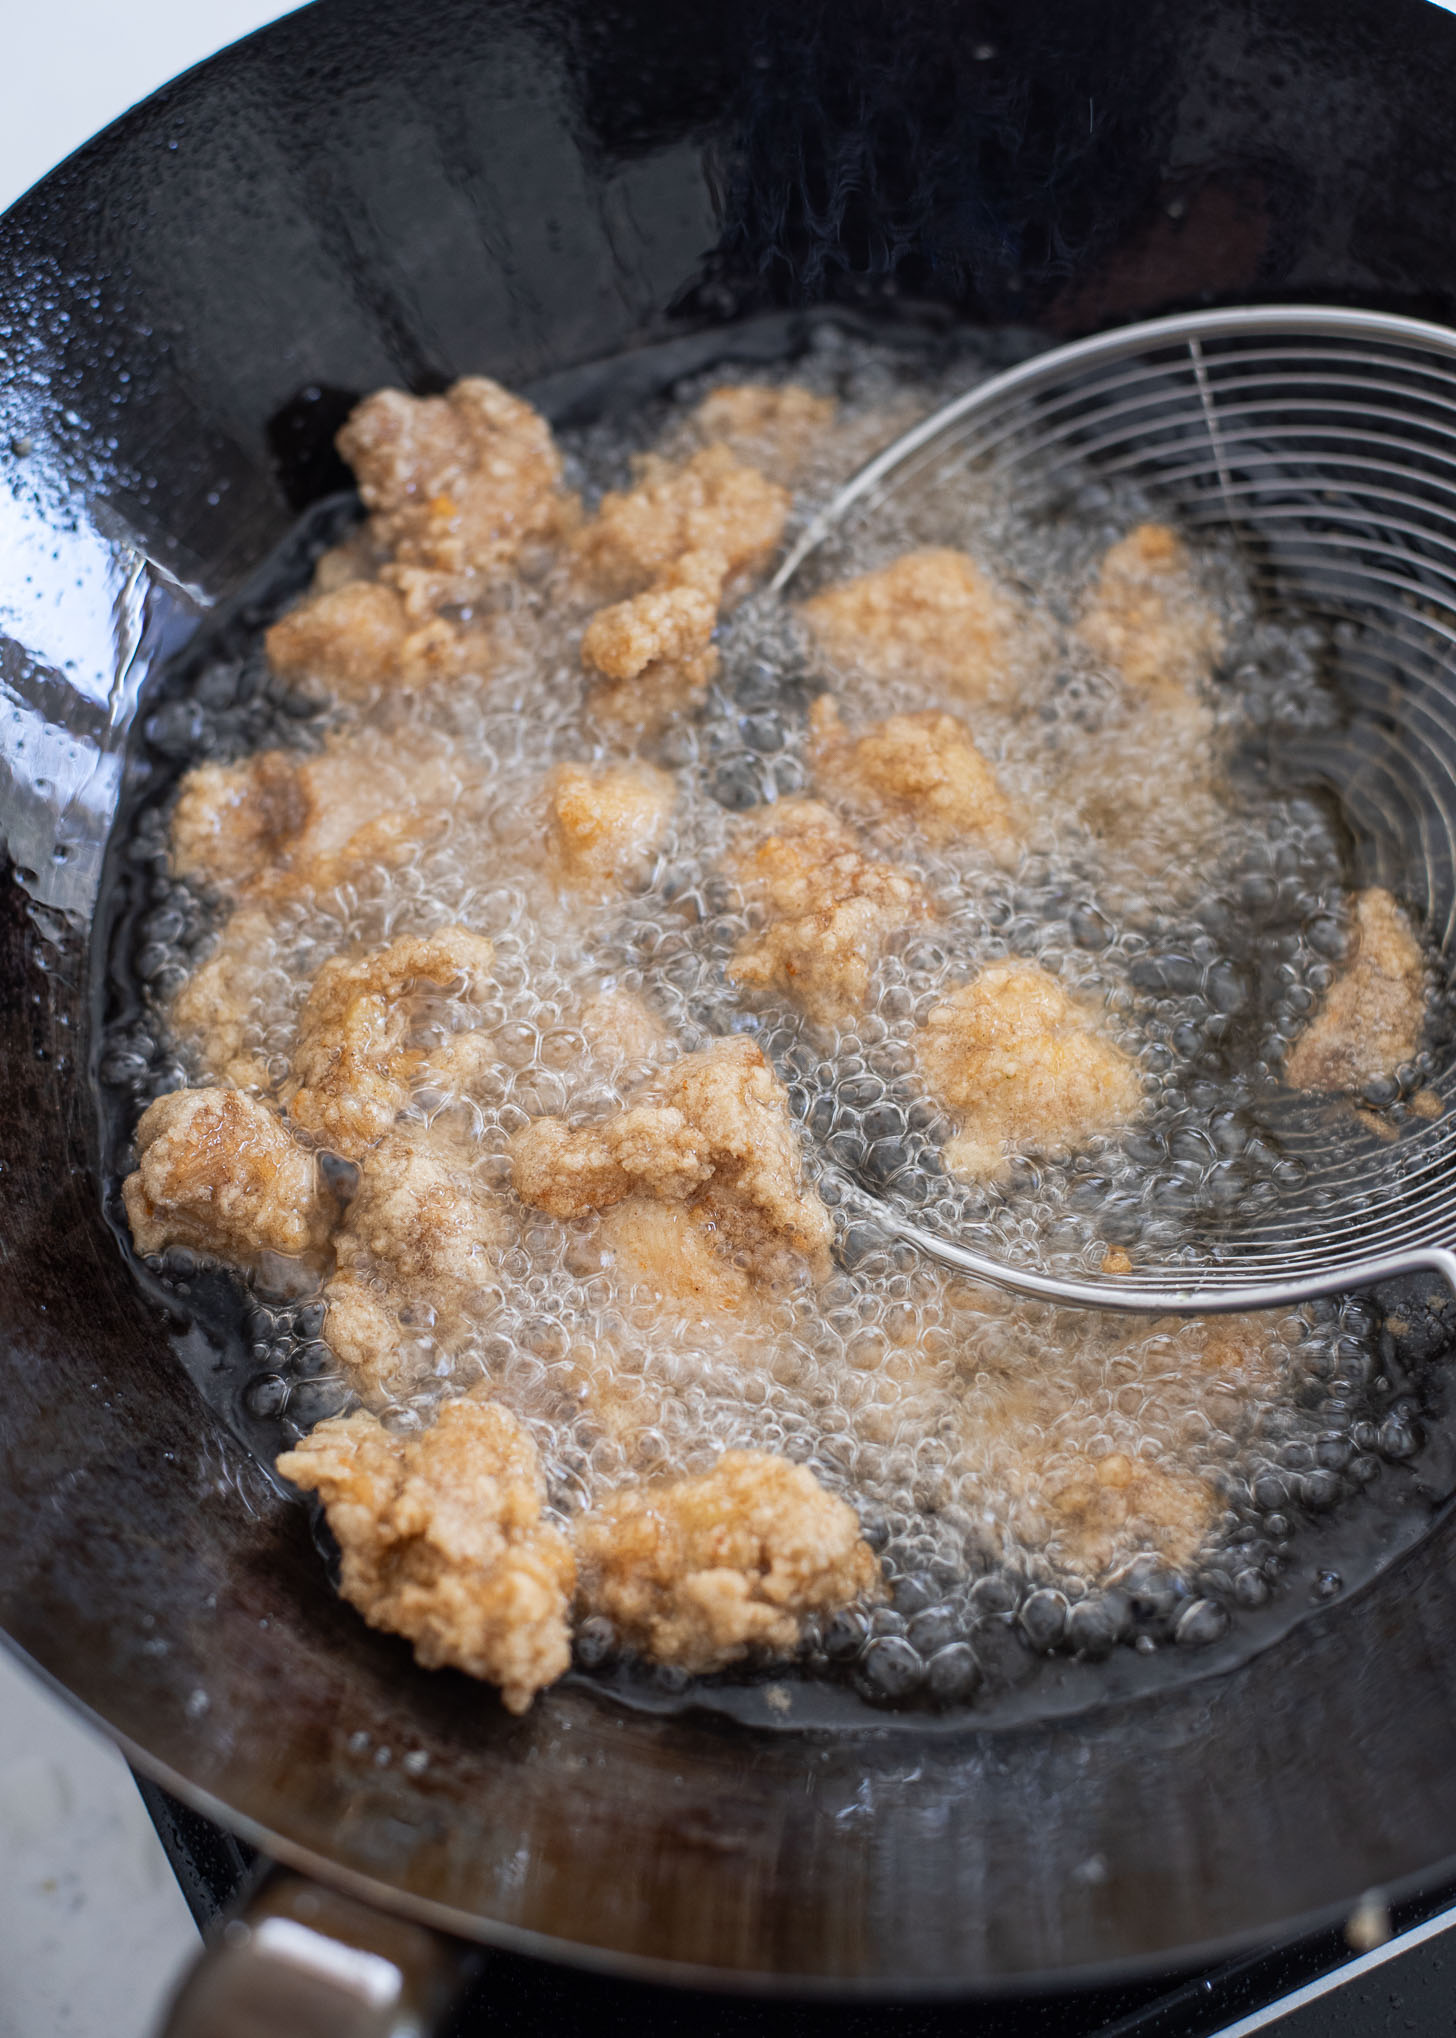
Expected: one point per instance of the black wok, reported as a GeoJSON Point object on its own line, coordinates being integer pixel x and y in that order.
{"type": "Point", "coordinates": [383, 191]}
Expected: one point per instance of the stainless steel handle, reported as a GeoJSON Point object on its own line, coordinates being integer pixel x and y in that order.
{"type": "Point", "coordinates": [301, 1961]}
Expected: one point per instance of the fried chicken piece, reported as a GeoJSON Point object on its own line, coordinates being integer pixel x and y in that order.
{"type": "Point", "coordinates": [620, 1028]}
{"type": "Point", "coordinates": [442, 1541]}
{"type": "Point", "coordinates": [217, 1172]}
{"type": "Point", "coordinates": [364, 1334]}
{"type": "Point", "coordinates": [669, 1257]}
{"type": "Point", "coordinates": [923, 768]}
{"type": "Point", "coordinates": [654, 650]}
{"type": "Point", "coordinates": [1108, 1510]}
{"type": "Point", "coordinates": [710, 503]}
{"type": "Point", "coordinates": [353, 1068]}
{"type": "Point", "coordinates": [930, 616]}
{"type": "Point", "coordinates": [1022, 1066]}
{"type": "Point", "coordinates": [699, 1571]}
{"type": "Point", "coordinates": [604, 823]}
{"type": "Point", "coordinates": [1374, 1012]}
{"type": "Point", "coordinates": [714, 1133]}
{"type": "Point", "coordinates": [1148, 617]}
{"type": "Point", "coordinates": [457, 486]}
{"type": "Point", "coordinates": [213, 1012]}
{"type": "Point", "coordinates": [772, 427]}
{"type": "Point", "coordinates": [359, 639]}
{"type": "Point", "coordinates": [830, 909]}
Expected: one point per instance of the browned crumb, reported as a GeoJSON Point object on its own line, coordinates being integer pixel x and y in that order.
{"type": "Point", "coordinates": [830, 909]}
{"type": "Point", "coordinates": [1427, 1104]}
{"type": "Point", "coordinates": [710, 503]}
{"type": "Point", "coordinates": [604, 822]}
{"type": "Point", "coordinates": [1147, 615]}
{"type": "Point", "coordinates": [714, 1133]}
{"type": "Point", "coordinates": [217, 1171]}
{"type": "Point", "coordinates": [699, 1571]}
{"type": "Point", "coordinates": [931, 616]}
{"type": "Point", "coordinates": [771, 427]}
{"type": "Point", "coordinates": [353, 1068]}
{"type": "Point", "coordinates": [1374, 1012]}
{"type": "Point", "coordinates": [1022, 1066]}
{"type": "Point", "coordinates": [923, 767]}
{"type": "Point", "coordinates": [1116, 1260]}
{"type": "Point", "coordinates": [1115, 1507]}
{"type": "Point", "coordinates": [442, 1541]}
{"type": "Point", "coordinates": [457, 486]}
{"type": "Point", "coordinates": [360, 639]}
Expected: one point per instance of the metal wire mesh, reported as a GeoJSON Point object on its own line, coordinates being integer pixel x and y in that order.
{"type": "Point", "coordinates": [1325, 442]}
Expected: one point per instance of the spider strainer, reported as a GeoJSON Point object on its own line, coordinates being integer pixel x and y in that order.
{"type": "Point", "coordinates": [1324, 442]}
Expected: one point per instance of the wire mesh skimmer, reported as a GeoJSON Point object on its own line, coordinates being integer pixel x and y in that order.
{"type": "Point", "coordinates": [1324, 442]}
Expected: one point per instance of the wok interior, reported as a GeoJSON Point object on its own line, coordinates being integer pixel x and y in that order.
{"type": "Point", "coordinates": [197, 299]}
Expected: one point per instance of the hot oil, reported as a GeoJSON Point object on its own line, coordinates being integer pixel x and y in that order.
{"type": "Point", "coordinates": [966, 1427]}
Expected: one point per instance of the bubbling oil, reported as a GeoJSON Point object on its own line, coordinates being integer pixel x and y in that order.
{"type": "Point", "coordinates": [971, 1430]}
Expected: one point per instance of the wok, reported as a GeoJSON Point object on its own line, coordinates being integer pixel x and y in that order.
{"type": "Point", "coordinates": [380, 191]}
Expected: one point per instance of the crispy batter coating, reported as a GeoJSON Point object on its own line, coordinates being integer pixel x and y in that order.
{"type": "Point", "coordinates": [1023, 1066]}
{"type": "Point", "coordinates": [713, 1132]}
{"type": "Point", "coordinates": [830, 909]}
{"type": "Point", "coordinates": [217, 1171]}
{"type": "Point", "coordinates": [923, 768]}
{"type": "Point", "coordinates": [442, 1541]}
{"type": "Point", "coordinates": [1374, 1012]}
{"type": "Point", "coordinates": [457, 486]}
{"type": "Point", "coordinates": [699, 1571]}
{"type": "Point", "coordinates": [359, 639]}
{"type": "Point", "coordinates": [353, 1068]}
{"type": "Point", "coordinates": [932, 616]}
{"type": "Point", "coordinates": [772, 428]}
{"type": "Point", "coordinates": [603, 824]}
{"type": "Point", "coordinates": [710, 503]}
{"type": "Point", "coordinates": [1147, 615]}
{"type": "Point", "coordinates": [1115, 1507]}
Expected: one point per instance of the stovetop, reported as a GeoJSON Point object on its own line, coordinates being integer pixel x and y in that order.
{"type": "Point", "coordinates": [1314, 1986]}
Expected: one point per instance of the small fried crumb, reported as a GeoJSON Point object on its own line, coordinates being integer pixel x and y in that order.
{"type": "Point", "coordinates": [773, 427]}
{"type": "Point", "coordinates": [1022, 1066]}
{"type": "Point", "coordinates": [710, 503]}
{"type": "Point", "coordinates": [922, 767]}
{"type": "Point", "coordinates": [1374, 1012]}
{"type": "Point", "coordinates": [352, 1066]}
{"type": "Point", "coordinates": [830, 909]}
{"type": "Point", "coordinates": [604, 822]}
{"type": "Point", "coordinates": [457, 486]}
{"type": "Point", "coordinates": [931, 616]}
{"type": "Point", "coordinates": [442, 1541]}
{"type": "Point", "coordinates": [217, 1171]}
{"type": "Point", "coordinates": [1116, 1260]}
{"type": "Point", "coordinates": [1148, 617]}
{"type": "Point", "coordinates": [699, 1571]}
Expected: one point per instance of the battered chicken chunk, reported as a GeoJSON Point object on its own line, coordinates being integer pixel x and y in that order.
{"type": "Point", "coordinates": [699, 1571]}
{"type": "Point", "coordinates": [360, 640]}
{"type": "Point", "coordinates": [922, 767]}
{"type": "Point", "coordinates": [442, 1541]}
{"type": "Point", "coordinates": [217, 1172]}
{"type": "Point", "coordinates": [1023, 1067]}
{"type": "Point", "coordinates": [772, 428]}
{"type": "Point", "coordinates": [457, 486]}
{"type": "Point", "coordinates": [353, 1067]}
{"type": "Point", "coordinates": [604, 823]}
{"type": "Point", "coordinates": [829, 909]}
{"type": "Point", "coordinates": [711, 503]}
{"type": "Point", "coordinates": [213, 1012]}
{"type": "Point", "coordinates": [654, 650]}
{"type": "Point", "coordinates": [930, 616]}
{"type": "Point", "coordinates": [1110, 1509]}
{"type": "Point", "coordinates": [1374, 1012]}
{"type": "Point", "coordinates": [714, 1133]}
{"type": "Point", "coordinates": [1149, 618]}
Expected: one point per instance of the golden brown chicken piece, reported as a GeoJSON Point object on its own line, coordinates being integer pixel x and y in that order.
{"type": "Point", "coordinates": [604, 823]}
{"type": "Point", "coordinates": [217, 1172]}
{"type": "Point", "coordinates": [713, 1133]}
{"type": "Point", "coordinates": [654, 652]}
{"type": "Point", "coordinates": [360, 640]}
{"type": "Point", "coordinates": [1107, 1510]}
{"type": "Point", "coordinates": [920, 768]}
{"type": "Point", "coordinates": [215, 1011]}
{"type": "Point", "coordinates": [458, 486]}
{"type": "Point", "coordinates": [1022, 1066]}
{"type": "Point", "coordinates": [1148, 617]}
{"type": "Point", "coordinates": [711, 503]}
{"type": "Point", "coordinates": [353, 1066]}
{"type": "Point", "coordinates": [829, 909]}
{"type": "Point", "coordinates": [772, 427]}
{"type": "Point", "coordinates": [699, 1571]}
{"type": "Point", "coordinates": [442, 1541]}
{"type": "Point", "coordinates": [1374, 1012]}
{"type": "Point", "coordinates": [420, 1223]}
{"type": "Point", "coordinates": [930, 616]}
